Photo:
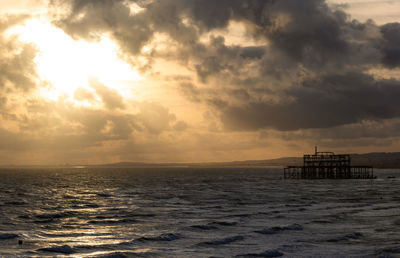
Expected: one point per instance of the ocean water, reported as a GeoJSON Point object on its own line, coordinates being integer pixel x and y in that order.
{"type": "Point", "coordinates": [202, 212]}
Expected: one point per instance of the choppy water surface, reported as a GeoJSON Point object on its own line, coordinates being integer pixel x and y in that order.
{"type": "Point", "coordinates": [181, 212]}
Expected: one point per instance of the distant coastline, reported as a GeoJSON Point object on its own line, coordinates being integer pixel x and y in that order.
{"type": "Point", "coordinates": [376, 159]}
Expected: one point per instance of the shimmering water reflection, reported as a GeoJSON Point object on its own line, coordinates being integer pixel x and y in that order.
{"type": "Point", "coordinates": [195, 212]}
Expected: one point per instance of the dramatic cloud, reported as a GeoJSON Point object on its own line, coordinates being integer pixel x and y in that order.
{"type": "Point", "coordinates": [17, 68]}
{"type": "Point", "coordinates": [391, 49]}
{"type": "Point", "coordinates": [311, 70]}
{"type": "Point", "coordinates": [323, 102]}
{"type": "Point", "coordinates": [240, 77]}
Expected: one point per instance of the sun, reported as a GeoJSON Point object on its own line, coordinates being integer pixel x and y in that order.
{"type": "Point", "coordinates": [67, 64]}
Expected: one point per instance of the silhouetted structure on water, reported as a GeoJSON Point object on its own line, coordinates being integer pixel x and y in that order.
{"type": "Point", "coordinates": [327, 165]}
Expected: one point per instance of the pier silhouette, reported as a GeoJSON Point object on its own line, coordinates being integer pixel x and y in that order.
{"type": "Point", "coordinates": [328, 165]}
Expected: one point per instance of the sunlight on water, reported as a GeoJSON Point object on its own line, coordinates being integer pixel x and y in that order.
{"type": "Point", "coordinates": [195, 212]}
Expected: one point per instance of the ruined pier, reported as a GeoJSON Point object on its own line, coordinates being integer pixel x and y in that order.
{"type": "Point", "coordinates": [327, 165]}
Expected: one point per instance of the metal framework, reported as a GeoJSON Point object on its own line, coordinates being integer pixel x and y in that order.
{"type": "Point", "coordinates": [327, 165]}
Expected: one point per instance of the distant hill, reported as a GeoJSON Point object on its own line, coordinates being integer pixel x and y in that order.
{"type": "Point", "coordinates": [377, 160]}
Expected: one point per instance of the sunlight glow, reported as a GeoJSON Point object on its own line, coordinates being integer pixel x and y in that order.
{"type": "Point", "coordinates": [68, 64]}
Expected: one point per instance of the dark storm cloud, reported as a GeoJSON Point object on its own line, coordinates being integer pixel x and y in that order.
{"type": "Point", "coordinates": [384, 129]}
{"type": "Point", "coordinates": [310, 70]}
{"type": "Point", "coordinates": [298, 28]}
{"type": "Point", "coordinates": [252, 52]}
{"type": "Point", "coordinates": [391, 49]}
{"type": "Point", "coordinates": [309, 32]}
{"type": "Point", "coordinates": [328, 101]}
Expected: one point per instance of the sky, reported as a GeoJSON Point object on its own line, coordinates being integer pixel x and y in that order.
{"type": "Point", "coordinates": [101, 81]}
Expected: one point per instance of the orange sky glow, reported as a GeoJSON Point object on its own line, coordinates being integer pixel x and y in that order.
{"type": "Point", "coordinates": [173, 81]}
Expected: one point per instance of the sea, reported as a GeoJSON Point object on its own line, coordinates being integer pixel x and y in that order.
{"type": "Point", "coordinates": [195, 212]}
